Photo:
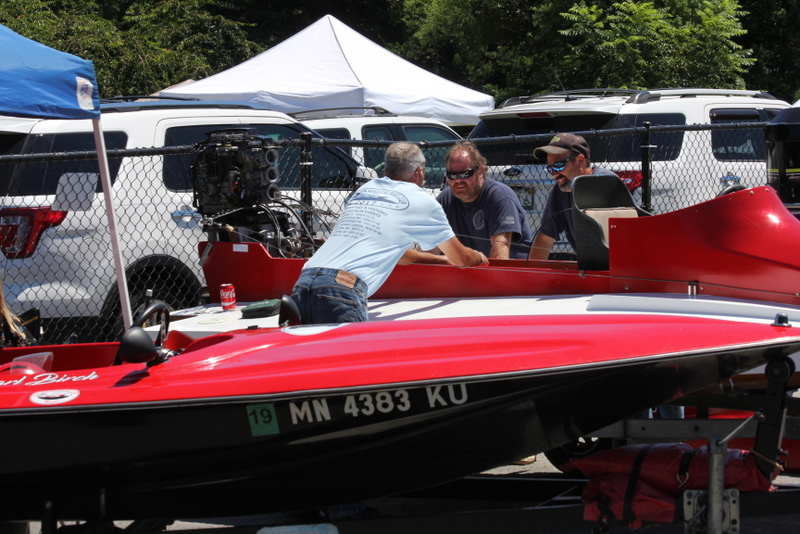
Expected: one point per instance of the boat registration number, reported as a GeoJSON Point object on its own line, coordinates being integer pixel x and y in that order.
{"type": "Point", "coordinates": [267, 418]}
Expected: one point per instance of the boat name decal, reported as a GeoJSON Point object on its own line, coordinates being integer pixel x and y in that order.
{"type": "Point", "coordinates": [48, 378]}
{"type": "Point", "coordinates": [264, 418]}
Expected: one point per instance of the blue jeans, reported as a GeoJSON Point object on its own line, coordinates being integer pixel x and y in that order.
{"type": "Point", "coordinates": [326, 296]}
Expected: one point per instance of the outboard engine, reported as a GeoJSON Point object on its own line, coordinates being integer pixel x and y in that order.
{"type": "Point", "coordinates": [235, 169]}
{"type": "Point", "coordinates": [782, 136]}
{"type": "Point", "coordinates": [235, 180]}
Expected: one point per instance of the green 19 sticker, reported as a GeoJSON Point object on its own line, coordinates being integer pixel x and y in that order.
{"type": "Point", "coordinates": [263, 420]}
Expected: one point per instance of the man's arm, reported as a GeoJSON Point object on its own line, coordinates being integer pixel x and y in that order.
{"type": "Point", "coordinates": [461, 255]}
{"type": "Point", "coordinates": [541, 247]}
{"type": "Point", "coordinates": [501, 246]}
{"type": "Point", "coordinates": [417, 256]}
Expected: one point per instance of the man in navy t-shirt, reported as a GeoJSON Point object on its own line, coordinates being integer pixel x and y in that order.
{"type": "Point", "coordinates": [567, 158]}
{"type": "Point", "coordinates": [485, 215]}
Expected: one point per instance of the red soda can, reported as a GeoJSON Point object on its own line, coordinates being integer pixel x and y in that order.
{"type": "Point", "coordinates": [227, 296]}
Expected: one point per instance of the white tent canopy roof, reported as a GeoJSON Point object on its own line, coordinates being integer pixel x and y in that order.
{"type": "Point", "coordinates": [329, 65]}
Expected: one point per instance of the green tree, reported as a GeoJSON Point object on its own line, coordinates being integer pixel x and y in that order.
{"type": "Point", "coordinates": [146, 46]}
{"type": "Point", "coordinates": [640, 45]}
{"type": "Point", "coordinates": [513, 47]}
{"type": "Point", "coordinates": [496, 46]}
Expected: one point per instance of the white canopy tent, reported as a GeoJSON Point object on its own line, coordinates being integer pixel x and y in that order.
{"type": "Point", "coordinates": [329, 65]}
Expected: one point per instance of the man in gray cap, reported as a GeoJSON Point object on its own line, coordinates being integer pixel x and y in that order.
{"type": "Point", "coordinates": [567, 157]}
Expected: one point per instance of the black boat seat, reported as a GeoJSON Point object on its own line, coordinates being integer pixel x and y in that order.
{"type": "Point", "coordinates": [595, 200]}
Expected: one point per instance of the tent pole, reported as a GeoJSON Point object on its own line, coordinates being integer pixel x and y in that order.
{"type": "Point", "coordinates": [122, 283]}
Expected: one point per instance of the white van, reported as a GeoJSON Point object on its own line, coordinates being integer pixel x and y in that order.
{"type": "Point", "coordinates": [688, 166]}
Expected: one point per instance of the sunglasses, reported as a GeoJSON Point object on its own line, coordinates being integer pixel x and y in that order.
{"type": "Point", "coordinates": [559, 166]}
{"type": "Point", "coordinates": [463, 175]}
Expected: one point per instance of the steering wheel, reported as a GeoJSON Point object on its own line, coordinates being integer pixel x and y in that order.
{"type": "Point", "coordinates": [158, 311]}
{"type": "Point", "coordinates": [21, 368]}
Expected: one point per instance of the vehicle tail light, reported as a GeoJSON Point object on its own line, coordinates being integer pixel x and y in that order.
{"type": "Point", "coordinates": [21, 228]}
{"type": "Point", "coordinates": [632, 179]}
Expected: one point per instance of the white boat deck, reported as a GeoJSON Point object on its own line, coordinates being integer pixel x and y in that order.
{"type": "Point", "coordinates": [212, 319]}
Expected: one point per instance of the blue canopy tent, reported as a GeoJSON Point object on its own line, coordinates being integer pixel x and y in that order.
{"type": "Point", "coordinates": [41, 82]}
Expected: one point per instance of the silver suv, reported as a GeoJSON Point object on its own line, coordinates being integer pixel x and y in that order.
{"type": "Point", "coordinates": [378, 124]}
{"type": "Point", "coordinates": [687, 166]}
{"type": "Point", "coordinates": [53, 234]}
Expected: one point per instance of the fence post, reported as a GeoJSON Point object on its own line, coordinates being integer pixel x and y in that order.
{"type": "Point", "coordinates": [645, 147]}
{"type": "Point", "coordinates": [305, 176]}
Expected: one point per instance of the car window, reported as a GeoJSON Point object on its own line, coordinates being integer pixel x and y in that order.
{"type": "Point", "coordinates": [618, 148]}
{"type": "Point", "coordinates": [434, 171]}
{"type": "Point", "coordinates": [741, 144]}
{"type": "Point", "coordinates": [337, 133]}
{"type": "Point", "coordinates": [420, 133]}
{"type": "Point", "coordinates": [667, 145]}
{"type": "Point", "coordinates": [334, 133]}
{"type": "Point", "coordinates": [373, 156]}
{"type": "Point", "coordinates": [521, 153]}
{"type": "Point", "coordinates": [41, 178]}
{"type": "Point", "coordinates": [331, 168]}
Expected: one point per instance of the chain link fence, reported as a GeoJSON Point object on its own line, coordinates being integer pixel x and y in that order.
{"type": "Point", "coordinates": [57, 250]}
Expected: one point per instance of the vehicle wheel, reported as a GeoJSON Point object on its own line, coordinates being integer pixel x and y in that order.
{"type": "Point", "coordinates": [579, 448]}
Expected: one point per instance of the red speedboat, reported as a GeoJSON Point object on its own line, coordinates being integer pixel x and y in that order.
{"type": "Point", "coordinates": [260, 417]}
{"type": "Point", "coordinates": [286, 418]}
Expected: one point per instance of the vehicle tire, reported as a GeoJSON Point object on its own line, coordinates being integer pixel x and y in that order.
{"type": "Point", "coordinates": [579, 448]}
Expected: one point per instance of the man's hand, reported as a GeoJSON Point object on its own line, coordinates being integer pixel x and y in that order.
{"type": "Point", "coordinates": [417, 256]}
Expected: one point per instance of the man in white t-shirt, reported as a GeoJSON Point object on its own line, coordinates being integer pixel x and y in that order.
{"type": "Point", "coordinates": [381, 222]}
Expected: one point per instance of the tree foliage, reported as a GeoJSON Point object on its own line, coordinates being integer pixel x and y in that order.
{"type": "Point", "coordinates": [641, 44]}
{"type": "Point", "coordinates": [556, 44]}
{"type": "Point", "coordinates": [503, 47]}
{"type": "Point", "coordinates": [138, 47]}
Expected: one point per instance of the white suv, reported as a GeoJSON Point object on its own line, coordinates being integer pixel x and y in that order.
{"type": "Point", "coordinates": [378, 124]}
{"type": "Point", "coordinates": [688, 166]}
{"type": "Point", "coordinates": [53, 233]}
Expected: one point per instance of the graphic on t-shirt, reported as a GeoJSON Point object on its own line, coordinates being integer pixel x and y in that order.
{"type": "Point", "coordinates": [382, 198]}
{"type": "Point", "coordinates": [478, 220]}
